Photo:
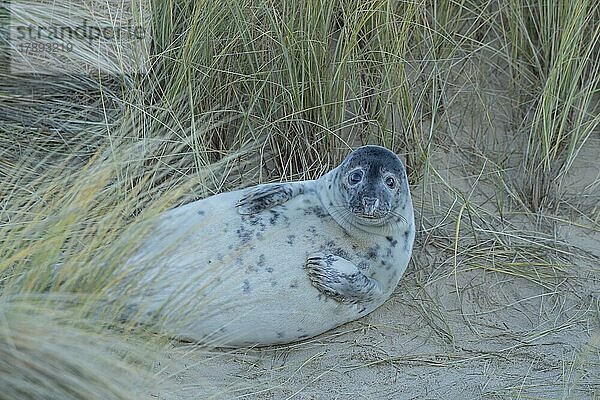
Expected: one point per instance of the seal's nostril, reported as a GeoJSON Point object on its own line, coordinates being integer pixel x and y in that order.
{"type": "Point", "coordinates": [370, 204]}
{"type": "Point", "coordinates": [370, 200]}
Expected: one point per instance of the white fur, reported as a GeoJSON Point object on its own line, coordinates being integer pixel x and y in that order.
{"type": "Point", "coordinates": [258, 292]}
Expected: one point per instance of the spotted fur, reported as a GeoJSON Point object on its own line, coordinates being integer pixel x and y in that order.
{"type": "Point", "coordinates": [278, 263]}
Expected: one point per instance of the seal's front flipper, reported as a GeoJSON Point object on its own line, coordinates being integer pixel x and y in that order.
{"type": "Point", "coordinates": [340, 279]}
{"type": "Point", "coordinates": [266, 196]}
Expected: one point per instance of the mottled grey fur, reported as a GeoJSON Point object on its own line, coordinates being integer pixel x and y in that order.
{"type": "Point", "coordinates": [281, 262]}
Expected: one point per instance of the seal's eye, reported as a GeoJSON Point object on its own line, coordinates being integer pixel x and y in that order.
{"type": "Point", "coordinates": [355, 177]}
{"type": "Point", "coordinates": [390, 182]}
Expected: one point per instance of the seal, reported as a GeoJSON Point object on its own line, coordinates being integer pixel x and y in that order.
{"type": "Point", "coordinates": [281, 262]}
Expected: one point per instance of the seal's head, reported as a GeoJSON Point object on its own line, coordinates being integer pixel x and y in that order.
{"type": "Point", "coordinates": [374, 185]}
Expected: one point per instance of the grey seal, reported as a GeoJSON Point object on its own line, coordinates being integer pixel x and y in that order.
{"type": "Point", "coordinates": [281, 262]}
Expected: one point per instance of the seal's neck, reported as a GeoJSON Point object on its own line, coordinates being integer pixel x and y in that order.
{"type": "Point", "coordinates": [337, 206]}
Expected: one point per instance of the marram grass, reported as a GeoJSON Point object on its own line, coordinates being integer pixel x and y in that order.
{"type": "Point", "coordinates": [555, 64]}
{"type": "Point", "coordinates": [45, 354]}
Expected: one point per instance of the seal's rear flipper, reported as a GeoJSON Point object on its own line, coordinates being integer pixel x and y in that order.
{"type": "Point", "coordinates": [340, 279]}
{"type": "Point", "coordinates": [267, 196]}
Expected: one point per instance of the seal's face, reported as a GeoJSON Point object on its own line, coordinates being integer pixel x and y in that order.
{"type": "Point", "coordinates": [374, 183]}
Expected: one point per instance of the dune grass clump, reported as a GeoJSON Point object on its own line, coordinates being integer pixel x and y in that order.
{"type": "Point", "coordinates": [46, 355]}
{"type": "Point", "coordinates": [554, 62]}
{"type": "Point", "coordinates": [63, 245]}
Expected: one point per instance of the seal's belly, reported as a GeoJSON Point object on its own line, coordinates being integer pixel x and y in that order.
{"type": "Point", "coordinates": [240, 279]}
